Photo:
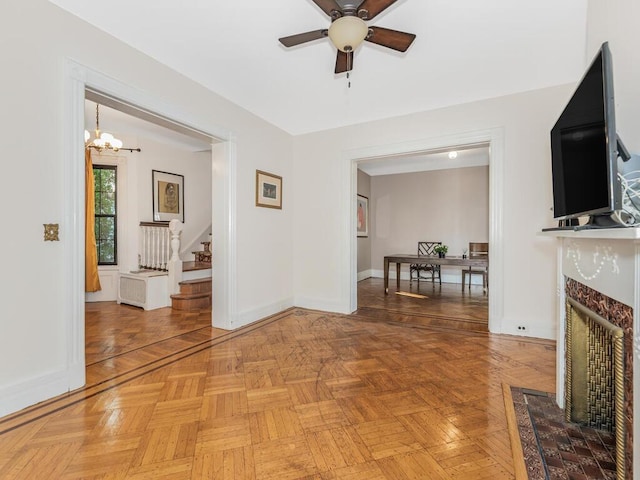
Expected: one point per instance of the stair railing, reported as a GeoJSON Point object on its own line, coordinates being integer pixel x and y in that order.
{"type": "Point", "coordinates": [159, 250]}
{"type": "Point", "coordinates": [175, 264]}
{"type": "Point", "coordinates": [154, 246]}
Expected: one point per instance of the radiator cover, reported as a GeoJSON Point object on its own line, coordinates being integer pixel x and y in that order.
{"type": "Point", "coordinates": [148, 290]}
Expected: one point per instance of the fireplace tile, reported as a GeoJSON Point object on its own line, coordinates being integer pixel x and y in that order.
{"type": "Point", "coordinates": [568, 450]}
{"type": "Point", "coordinates": [571, 460]}
{"type": "Point", "coordinates": [557, 473]}
{"type": "Point", "coordinates": [553, 458]}
{"type": "Point", "coordinates": [592, 471]}
{"type": "Point", "coordinates": [605, 465]}
{"type": "Point", "coordinates": [577, 476]}
{"type": "Point", "coordinates": [582, 451]}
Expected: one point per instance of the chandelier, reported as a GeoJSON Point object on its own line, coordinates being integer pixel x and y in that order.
{"type": "Point", "coordinates": [102, 140]}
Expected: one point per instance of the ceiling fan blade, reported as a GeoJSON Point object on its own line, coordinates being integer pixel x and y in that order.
{"type": "Point", "coordinates": [299, 38]}
{"type": "Point", "coordinates": [374, 7]}
{"type": "Point", "coordinates": [327, 6]}
{"type": "Point", "coordinates": [344, 62]}
{"type": "Point", "coordinates": [394, 39]}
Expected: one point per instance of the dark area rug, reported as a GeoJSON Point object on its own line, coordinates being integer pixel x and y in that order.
{"type": "Point", "coordinates": [555, 449]}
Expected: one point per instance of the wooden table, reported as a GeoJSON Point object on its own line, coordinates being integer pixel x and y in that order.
{"type": "Point", "coordinates": [400, 258]}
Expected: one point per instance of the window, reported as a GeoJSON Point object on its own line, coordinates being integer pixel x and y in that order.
{"type": "Point", "coordinates": [105, 177]}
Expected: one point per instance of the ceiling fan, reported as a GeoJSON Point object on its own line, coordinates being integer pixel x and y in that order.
{"type": "Point", "coordinates": [348, 29]}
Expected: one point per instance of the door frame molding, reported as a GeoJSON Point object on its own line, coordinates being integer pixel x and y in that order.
{"type": "Point", "coordinates": [79, 78]}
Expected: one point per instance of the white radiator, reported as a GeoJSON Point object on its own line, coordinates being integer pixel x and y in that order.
{"type": "Point", "coordinates": [148, 290]}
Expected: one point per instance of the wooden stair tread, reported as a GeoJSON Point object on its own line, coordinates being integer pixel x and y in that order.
{"type": "Point", "coordinates": [195, 280]}
{"type": "Point", "coordinates": [195, 294]}
{"type": "Point", "coordinates": [196, 286]}
{"type": "Point", "coordinates": [190, 296]}
{"type": "Point", "coordinates": [191, 266]}
{"type": "Point", "coordinates": [191, 301]}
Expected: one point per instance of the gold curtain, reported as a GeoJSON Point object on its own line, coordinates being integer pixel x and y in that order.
{"type": "Point", "coordinates": [91, 279]}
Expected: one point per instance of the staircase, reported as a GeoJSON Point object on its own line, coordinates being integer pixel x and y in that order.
{"type": "Point", "coordinates": [195, 293]}
{"type": "Point", "coordinates": [161, 271]}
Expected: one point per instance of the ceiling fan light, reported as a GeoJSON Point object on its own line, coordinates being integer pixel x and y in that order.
{"type": "Point", "coordinates": [348, 32]}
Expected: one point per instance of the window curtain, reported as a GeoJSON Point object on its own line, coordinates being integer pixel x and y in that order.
{"type": "Point", "coordinates": [91, 279]}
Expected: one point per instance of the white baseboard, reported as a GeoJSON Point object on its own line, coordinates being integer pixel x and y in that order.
{"type": "Point", "coordinates": [25, 394]}
{"type": "Point", "coordinates": [531, 329]}
{"type": "Point", "coordinates": [317, 304]}
{"type": "Point", "coordinates": [365, 274]}
{"type": "Point", "coordinates": [250, 316]}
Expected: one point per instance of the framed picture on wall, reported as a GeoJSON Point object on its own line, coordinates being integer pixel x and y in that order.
{"type": "Point", "coordinates": [168, 196]}
{"type": "Point", "coordinates": [268, 190]}
{"type": "Point", "coordinates": [362, 216]}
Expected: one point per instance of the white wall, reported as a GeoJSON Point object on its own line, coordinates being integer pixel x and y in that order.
{"type": "Point", "coordinates": [195, 167]}
{"type": "Point", "coordinates": [37, 39]}
{"type": "Point", "coordinates": [321, 216]}
{"type": "Point", "coordinates": [617, 22]}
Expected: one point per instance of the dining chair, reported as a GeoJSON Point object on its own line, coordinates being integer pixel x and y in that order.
{"type": "Point", "coordinates": [425, 249]}
{"type": "Point", "coordinates": [477, 250]}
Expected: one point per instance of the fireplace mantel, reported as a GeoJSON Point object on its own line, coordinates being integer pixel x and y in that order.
{"type": "Point", "coordinates": [607, 261]}
{"type": "Point", "coordinates": [608, 233]}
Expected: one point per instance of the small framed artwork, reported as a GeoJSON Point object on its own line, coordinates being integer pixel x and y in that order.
{"type": "Point", "coordinates": [168, 196]}
{"type": "Point", "coordinates": [362, 215]}
{"type": "Point", "coordinates": [268, 190]}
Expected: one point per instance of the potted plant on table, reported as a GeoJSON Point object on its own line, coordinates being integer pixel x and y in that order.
{"type": "Point", "coordinates": [441, 250]}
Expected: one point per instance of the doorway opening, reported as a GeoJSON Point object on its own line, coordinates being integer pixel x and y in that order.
{"type": "Point", "coordinates": [425, 198]}
{"type": "Point", "coordinates": [79, 80]}
{"type": "Point", "coordinates": [494, 139]}
{"type": "Point", "coordinates": [112, 328]}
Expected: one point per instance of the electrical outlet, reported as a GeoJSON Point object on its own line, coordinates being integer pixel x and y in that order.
{"type": "Point", "coordinates": [522, 328]}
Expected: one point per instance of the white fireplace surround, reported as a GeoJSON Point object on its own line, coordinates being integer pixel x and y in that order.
{"type": "Point", "coordinates": [607, 261]}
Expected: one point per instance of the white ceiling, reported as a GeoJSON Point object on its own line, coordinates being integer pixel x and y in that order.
{"type": "Point", "coordinates": [465, 50]}
{"type": "Point", "coordinates": [472, 156]}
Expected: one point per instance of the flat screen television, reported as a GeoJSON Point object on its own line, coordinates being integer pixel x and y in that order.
{"type": "Point", "coordinates": [585, 150]}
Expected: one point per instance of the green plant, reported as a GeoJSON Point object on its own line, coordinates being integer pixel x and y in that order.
{"type": "Point", "coordinates": [441, 249]}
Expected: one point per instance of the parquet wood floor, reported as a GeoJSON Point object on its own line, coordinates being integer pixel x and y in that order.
{"type": "Point", "coordinates": [302, 395]}
{"type": "Point", "coordinates": [112, 329]}
{"type": "Point", "coordinates": [444, 306]}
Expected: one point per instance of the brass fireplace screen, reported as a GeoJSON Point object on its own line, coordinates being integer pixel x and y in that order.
{"type": "Point", "coordinates": [594, 388]}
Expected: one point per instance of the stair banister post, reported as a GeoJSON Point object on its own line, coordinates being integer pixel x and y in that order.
{"type": "Point", "coordinates": [175, 264]}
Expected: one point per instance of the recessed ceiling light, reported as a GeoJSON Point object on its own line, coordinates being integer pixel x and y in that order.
{"type": "Point", "coordinates": [453, 155]}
